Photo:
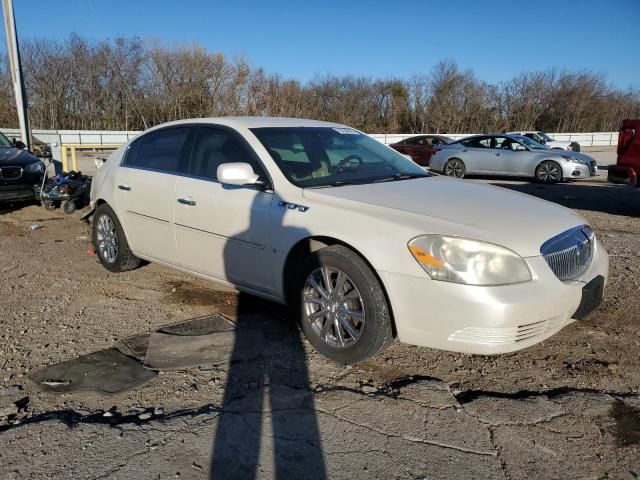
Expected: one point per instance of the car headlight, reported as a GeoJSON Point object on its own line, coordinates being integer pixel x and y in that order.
{"type": "Point", "coordinates": [35, 167]}
{"type": "Point", "coordinates": [471, 262]}
{"type": "Point", "coordinates": [575, 160]}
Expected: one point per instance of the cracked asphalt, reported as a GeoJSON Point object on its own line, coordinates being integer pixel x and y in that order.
{"type": "Point", "coordinates": [566, 408]}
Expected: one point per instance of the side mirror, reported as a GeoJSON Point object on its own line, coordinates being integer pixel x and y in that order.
{"type": "Point", "coordinates": [237, 174]}
{"type": "Point", "coordinates": [19, 144]}
{"type": "Point", "coordinates": [519, 148]}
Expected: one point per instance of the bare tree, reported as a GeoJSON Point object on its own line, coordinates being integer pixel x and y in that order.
{"type": "Point", "coordinates": [127, 83]}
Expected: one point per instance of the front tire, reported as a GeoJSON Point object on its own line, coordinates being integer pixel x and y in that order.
{"type": "Point", "coordinates": [549, 172]}
{"type": "Point", "coordinates": [341, 306]}
{"type": "Point", "coordinates": [455, 168]}
{"type": "Point", "coordinates": [49, 205]}
{"type": "Point", "coordinates": [110, 242]}
{"type": "Point", "coordinates": [68, 206]}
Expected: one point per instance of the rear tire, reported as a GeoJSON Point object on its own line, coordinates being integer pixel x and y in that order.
{"type": "Point", "coordinates": [549, 172]}
{"type": "Point", "coordinates": [455, 168]}
{"type": "Point", "coordinates": [356, 323]}
{"type": "Point", "coordinates": [110, 242]}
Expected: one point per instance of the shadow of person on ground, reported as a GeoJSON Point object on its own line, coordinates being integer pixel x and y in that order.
{"type": "Point", "coordinates": [596, 197]}
{"type": "Point", "coordinates": [267, 402]}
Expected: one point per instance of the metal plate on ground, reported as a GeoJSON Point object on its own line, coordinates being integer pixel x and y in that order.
{"type": "Point", "coordinates": [200, 326]}
{"type": "Point", "coordinates": [106, 371]}
{"type": "Point", "coordinates": [134, 346]}
{"type": "Point", "coordinates": [202, 341]}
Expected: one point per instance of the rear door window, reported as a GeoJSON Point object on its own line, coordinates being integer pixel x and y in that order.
{"type": "Point", "coordinates": [159, 150]}
{"type": "Point", "coordinates": [478, 142]}
{"type": "Point", "coordinates": [413, 141]}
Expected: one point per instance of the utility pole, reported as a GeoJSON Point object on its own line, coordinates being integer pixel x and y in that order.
{"type": "Point", "coordinates": [16, 71]}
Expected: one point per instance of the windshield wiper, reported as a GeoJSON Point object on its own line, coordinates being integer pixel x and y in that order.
{"type": "Point", "coordinates": [399, 176]}
{"type": "Point", "coordinates": [337, 183]}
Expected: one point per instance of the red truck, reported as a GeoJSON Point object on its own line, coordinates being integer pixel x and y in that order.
{"type": "Point", "coordinates": [627, 169]}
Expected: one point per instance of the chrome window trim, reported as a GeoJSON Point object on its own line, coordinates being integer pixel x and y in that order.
{"type": "Point", "coordinates": [194, 126]}
{"type": "Point", "coordinates": [193, 177]}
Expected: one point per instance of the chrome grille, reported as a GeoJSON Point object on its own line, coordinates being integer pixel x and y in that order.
{"type": "Point", "coordinates": [569, 254]}
{"type": "Point", "coordinates": [10, 173]}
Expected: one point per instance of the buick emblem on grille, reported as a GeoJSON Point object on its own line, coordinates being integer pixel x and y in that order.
{"type": "Point", "coordinates": [582, 245]}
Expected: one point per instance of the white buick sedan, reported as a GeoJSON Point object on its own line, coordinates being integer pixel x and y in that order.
{"type": "Point", "coordinates": [361, 242]}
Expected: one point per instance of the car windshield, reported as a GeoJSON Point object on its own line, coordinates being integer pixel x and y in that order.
{"type": "Point", "coordinates": [530, 143]}
{"type": "Point", "coordinates": [333, 156]}
{"type": "Point", "coordinates": [5, 142]}
{"type": "Point", "coordinates": [545, 136]}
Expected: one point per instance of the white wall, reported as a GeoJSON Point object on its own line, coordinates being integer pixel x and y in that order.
{"type": "Point", "coordinates": [55, 138]}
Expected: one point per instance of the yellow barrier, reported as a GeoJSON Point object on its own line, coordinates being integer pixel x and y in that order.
{"type": "Point", "coordinates": [70, 148]}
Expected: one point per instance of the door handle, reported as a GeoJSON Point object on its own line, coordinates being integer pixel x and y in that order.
{"type": "Point", "coordinates": [187, 201]}
{"type": "Point", "coordinates": [126, 188]}
{"type": "Point", "coordinates": [497, 154]}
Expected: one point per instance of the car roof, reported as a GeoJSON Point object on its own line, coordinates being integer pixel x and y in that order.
{"type": "Point", "coordinates": [513, 136]}
{"type": "Point", "coordinates": [423, 135]}
{"type": "Point", "coordinates": [254, 122]}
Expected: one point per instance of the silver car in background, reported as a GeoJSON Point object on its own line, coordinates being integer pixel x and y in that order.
{"type": "Point", "coordinates": [510, 155]}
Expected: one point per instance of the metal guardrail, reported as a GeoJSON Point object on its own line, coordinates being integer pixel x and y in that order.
{"type": "Point", "coordinates": [68, 153]}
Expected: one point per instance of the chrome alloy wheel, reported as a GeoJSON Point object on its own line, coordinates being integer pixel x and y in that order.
{"type": "Point", "coordinates": [107, 239]}
{"type": "Point", "coordinates": [454, 168]}
{"type": "Point", "coordinates": [549, 172]}
{"type": "Point", "coordinates": [333, 307]}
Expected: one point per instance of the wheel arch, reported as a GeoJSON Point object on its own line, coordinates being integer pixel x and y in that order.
{"type": "Point", "coordinates": [452, 158]}
{"type": "Point", "coordinates": [102, 201]}
{"type": "Point", "coordinates": [551, 160]}
{"type": "Point", "coordinates": [313, 243]}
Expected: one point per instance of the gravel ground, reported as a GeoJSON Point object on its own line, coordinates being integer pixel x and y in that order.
{"type": "Point", "coordinates": [409, 413]}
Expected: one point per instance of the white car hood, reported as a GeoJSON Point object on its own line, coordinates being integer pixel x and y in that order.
{"type": "Point", "coordinates": [558, 143]}
{"type": "Point", "coordinates": [454, 207]}
{"type": "Point", "coordinates": [578, 155]}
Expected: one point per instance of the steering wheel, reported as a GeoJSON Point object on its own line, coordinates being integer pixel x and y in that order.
{"type": "Point", "coordinates": [345, 161]}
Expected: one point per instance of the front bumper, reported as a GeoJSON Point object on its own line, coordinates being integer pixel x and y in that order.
{"type": "Point", "coordinates": [18, 193]}
{"type": "Point", "coordinates": [578, 170]}
{"type": "Point", "coordinates": [487, 320]}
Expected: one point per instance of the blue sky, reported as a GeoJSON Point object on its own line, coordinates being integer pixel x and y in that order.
{"type": "Point", "coordinates": [496, 39]}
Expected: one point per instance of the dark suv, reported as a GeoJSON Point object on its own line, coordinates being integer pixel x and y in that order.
{"type": "Point", "coordinates": [20, 172]}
